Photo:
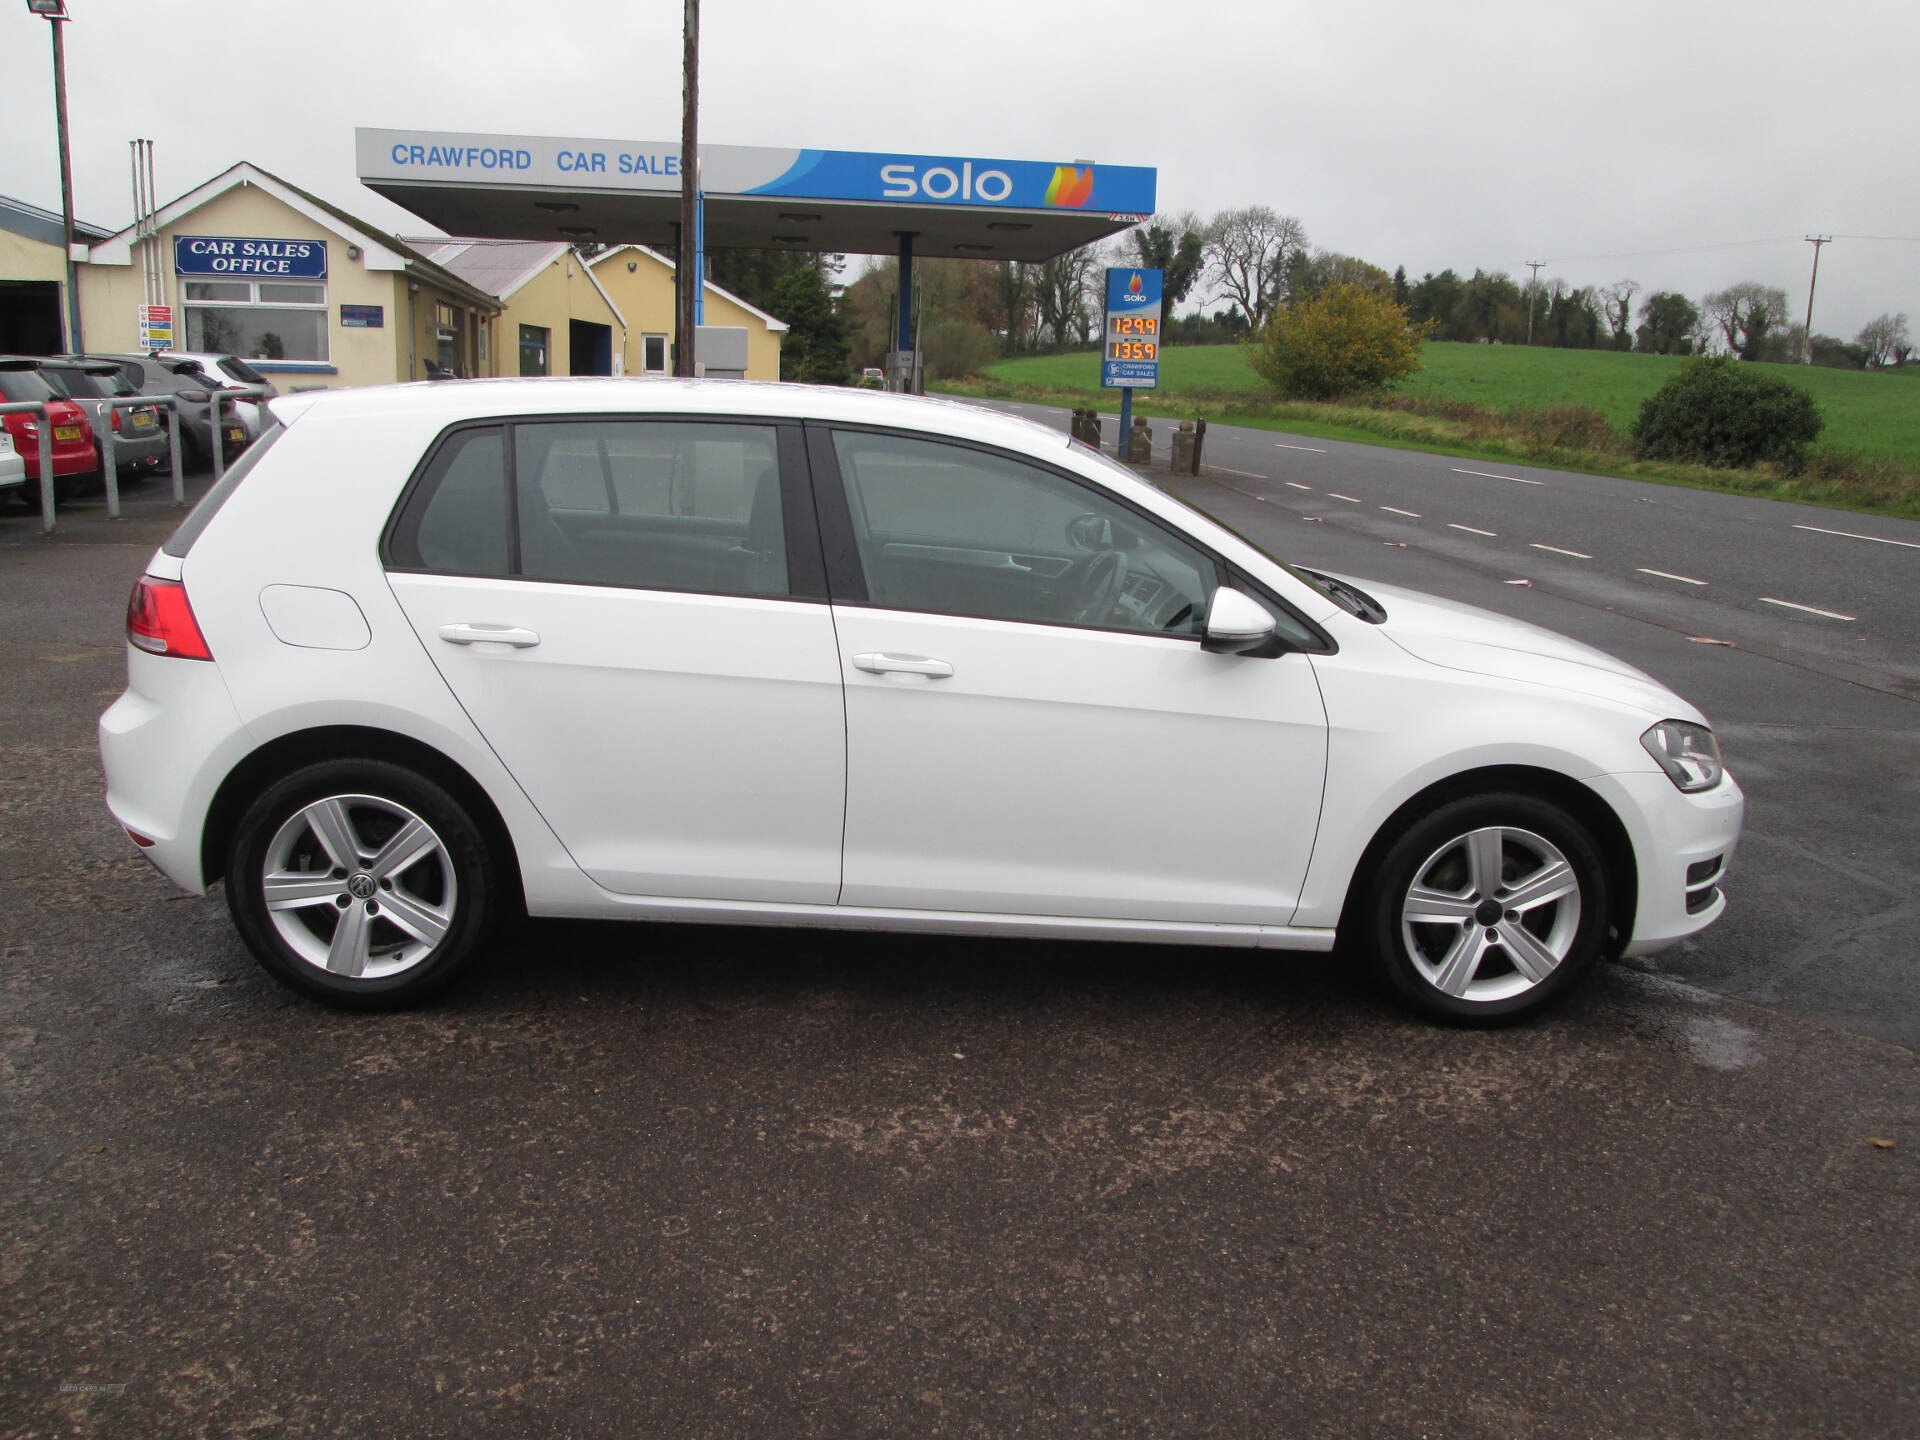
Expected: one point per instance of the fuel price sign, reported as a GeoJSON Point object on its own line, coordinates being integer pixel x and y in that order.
{"type": "Point", "coordinates": [1130, 359]}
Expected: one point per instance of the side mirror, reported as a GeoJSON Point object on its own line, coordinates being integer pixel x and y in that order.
{"type": "Point", "coordinates": [1237, 624]}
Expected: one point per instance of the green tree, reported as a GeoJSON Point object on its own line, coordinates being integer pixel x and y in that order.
{"type": "Point", "coordinates": [815, 349]}
{"type": "Point", "coordinates": [1343, 341]}
{"type": "Point", "coordinates": [1177, 248]}
{"type": "Point", "coordinates": [1668, 321]}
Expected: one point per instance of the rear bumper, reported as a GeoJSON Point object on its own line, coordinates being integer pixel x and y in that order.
{"type": "Point", "coordinates": [1674, 834]}
{"type": "Point", "coordinates": [141, 452]}
{"type": "Point", "coordinates": [166, 744]}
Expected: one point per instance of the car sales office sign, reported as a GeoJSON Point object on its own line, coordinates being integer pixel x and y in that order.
{"type": "Point", "coordinates": [250, 255]}
{"type": "Point", "coordinates": [1130, 359]}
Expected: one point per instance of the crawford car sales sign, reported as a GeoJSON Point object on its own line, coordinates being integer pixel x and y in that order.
{"type": "Point", "coordinates": [249, 255]}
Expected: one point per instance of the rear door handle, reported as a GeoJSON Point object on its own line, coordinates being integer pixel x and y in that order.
{"type": "Point", "coordinates": [876, 662]}
{"type": "Point", "coordinates": [512, 635]}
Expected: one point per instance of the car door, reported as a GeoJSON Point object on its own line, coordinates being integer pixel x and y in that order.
{"type": "Point", "coordinates": [634, 614]}
{"type": "Point", "coordinates": [1032, 725]}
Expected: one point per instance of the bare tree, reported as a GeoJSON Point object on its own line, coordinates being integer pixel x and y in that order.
{"type": "Point", "coordinates": [1616, 302]}
{"type": "Point", "coordinates": [1884, 338]}
{"type": "Point", "coordinates": [1063, 293]}
{"type": "Point", "coordinates": [1247, 256]}
{"type": "Point", "coordinates": [1745, 313]}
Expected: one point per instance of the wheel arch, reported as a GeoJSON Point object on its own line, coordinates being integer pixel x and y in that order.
{"type": "Point", "coordinates": [289, 752]}
{"type": "Point", "coordinates": [1608, 831]}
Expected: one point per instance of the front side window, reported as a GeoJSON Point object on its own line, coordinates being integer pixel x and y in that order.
{"type": "Point", "coordinates": [260, 319]}
{"type": "Point", "coordinates": [946, 528]}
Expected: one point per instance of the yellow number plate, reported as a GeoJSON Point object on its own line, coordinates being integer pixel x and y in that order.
{"type": "Point", "coordinates": [236, 433]}
{"type": "Point", "coordinates": [144, 420]}
{"type": "Point", "coordinates": [68, 432]}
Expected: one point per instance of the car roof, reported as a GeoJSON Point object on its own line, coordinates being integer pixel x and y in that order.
{"type": "Point", "coordinates": [449, 401]}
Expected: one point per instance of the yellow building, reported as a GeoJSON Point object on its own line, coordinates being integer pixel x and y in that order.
{"type": "Point", "coordinates": [640, 281]}
{"type": "Point", "coordinates": [312, 296]}
{"type": "Point", "coordinates": [33, 277]}
{"type": "Point", "coordinates": [556, 317]}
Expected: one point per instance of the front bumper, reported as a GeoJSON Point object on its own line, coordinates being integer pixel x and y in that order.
{"type": "Point", "coordinates": [1674, 838]}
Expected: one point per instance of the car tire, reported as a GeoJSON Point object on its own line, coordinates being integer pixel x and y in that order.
{"type": "Point", "coordinates": [381, 928]}
{"type": "Point", "coordinates": [1487, 909]}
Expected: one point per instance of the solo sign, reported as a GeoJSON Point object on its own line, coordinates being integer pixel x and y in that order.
{"type": "Point", "coordinates": [1130, 353]}
{"type": "Point", "coordinates": [249, 255]}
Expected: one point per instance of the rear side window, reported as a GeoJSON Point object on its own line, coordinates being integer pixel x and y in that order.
{"type": "Point", "coordinates": [657, 505]}
{"type": "Point", "coordinates": [202, 514]}
{"type": "Point", "coordinates": [455, 520]}
{"type": "Point", "coordinates": [691, 506]}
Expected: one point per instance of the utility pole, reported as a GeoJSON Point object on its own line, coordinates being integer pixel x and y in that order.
{"type": "Point", "coordinates": [1806, 340]}
{"type": "Point", "coordinates": [1533, 291]}
{"type": "Point", "coordinates": [55, 12]}
{"type": "Point", "coordinates": [686, 255]}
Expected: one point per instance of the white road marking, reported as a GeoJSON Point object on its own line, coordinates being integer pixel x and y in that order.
{"type": "Point", "coordinates": [1490, 534]}
{"type": "Point", "coordinates": [1314, 448]}
{"type": "Point", "coordinates": [1576, 554]}
{"type": "Point", "coordinates": [1296, 485]}
{"type": "Point", "coordinates": [1810, 609]}
{"type": "Point", "coordinates": [1488, 474]}
{"type": "Point", "coordinates": [1395, 509]}
{"type": "Point", "coordinates": [1683, 579]}
{"type": "Point", "coordinates": [1350, 499]}
{"type": "Point", "coordinates": [1877, 539]}
{"type": "Point", "coordinates": [1231, 471]}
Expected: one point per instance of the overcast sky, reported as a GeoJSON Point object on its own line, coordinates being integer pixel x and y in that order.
{"type": "Point", "coordinates": [1408, 132]}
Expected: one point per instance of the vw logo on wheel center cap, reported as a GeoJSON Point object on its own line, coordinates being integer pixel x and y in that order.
{"type": "Point", "coordinates": [360, 885]}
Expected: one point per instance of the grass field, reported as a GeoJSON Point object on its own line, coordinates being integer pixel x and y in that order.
{"type": "Point", "coordinates": [1872, 413]}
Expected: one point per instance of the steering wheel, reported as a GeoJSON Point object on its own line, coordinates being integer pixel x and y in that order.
{"type": "Point", "coordinates": [1097, 585]}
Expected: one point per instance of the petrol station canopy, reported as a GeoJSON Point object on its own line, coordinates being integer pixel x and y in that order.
{"type": "Point", "coordinates": [528, 187]}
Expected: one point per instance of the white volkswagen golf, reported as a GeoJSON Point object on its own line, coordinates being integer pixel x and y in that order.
{"type": "Point", "coordinates": [777, 655]}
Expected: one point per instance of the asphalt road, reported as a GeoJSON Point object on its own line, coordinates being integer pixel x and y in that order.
{"type": "Point", "coordinates": [667, 1180]}
{"type": "Point", "coordinates": [1819, 717]}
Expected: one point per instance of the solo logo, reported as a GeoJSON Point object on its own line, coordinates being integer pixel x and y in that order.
{"type": "Point", "coordinates": [900, 182]}
{"type": "Point", "coordinates": [1071, 186]}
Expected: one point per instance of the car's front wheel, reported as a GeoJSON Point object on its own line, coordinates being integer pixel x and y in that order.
{"type": "Point", "coordinates": [361, 883]}
{"type": "Point", "coordinates": [1488, 908]}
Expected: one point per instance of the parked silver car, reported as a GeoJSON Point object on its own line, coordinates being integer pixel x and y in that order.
{"type": "Point", "coordinates": [140, 444]}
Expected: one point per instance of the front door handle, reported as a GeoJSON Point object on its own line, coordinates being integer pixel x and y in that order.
{"type": "Point", "coordinates": [876, 662]}
{"type": "Point", "coordinates": [512, 635]}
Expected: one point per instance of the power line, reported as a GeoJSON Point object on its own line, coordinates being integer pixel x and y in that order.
{"type": "Point", "coordinates": [1692, 249]}
{"type": "Point", "coordinates": [1901, 239]}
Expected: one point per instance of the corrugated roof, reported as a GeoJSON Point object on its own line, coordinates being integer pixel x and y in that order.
{"type": "Point", "coordinates": [499, 267]}
{"type": "Point", "coordinates": [46, 226]}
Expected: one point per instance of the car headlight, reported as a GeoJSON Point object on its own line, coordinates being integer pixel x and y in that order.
{"type": "Point", "coordinates": [1688, 753]}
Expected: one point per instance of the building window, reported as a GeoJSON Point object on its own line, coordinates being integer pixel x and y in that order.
{"type": "Point", "coordinates": [259, 319]}
{"type": "Point", "coordinates": [533, 350]}
{"type": "Point", "coordinates": [653, 355]}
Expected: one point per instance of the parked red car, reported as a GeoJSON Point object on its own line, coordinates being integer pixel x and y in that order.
{"type": "Point", "coordinates": [73, 452]}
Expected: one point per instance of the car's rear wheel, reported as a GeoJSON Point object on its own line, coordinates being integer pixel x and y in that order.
{"type": "Point", "coordinates": [361, 883]}
{"type": "Point", "coordinates": [1488, 908]}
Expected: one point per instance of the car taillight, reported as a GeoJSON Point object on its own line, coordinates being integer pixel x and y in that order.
{"type": "Point", "coordinates": [160, 621]}
{"type": "Point", "coordinates": [114, 415]}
